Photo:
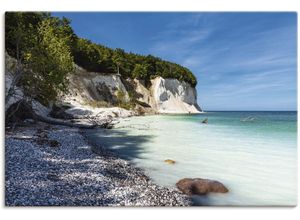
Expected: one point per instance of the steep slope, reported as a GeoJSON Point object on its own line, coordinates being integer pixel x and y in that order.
{"type": "Point", "coordinates": [163, 96]}
{"type": "Point", "coordinates": [86, 87]}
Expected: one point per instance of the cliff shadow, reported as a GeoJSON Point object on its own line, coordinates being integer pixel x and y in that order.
{"type": "Point", "coordinates": [126, 146]}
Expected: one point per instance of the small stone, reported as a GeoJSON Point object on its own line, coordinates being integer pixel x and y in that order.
{"type": "Point", "coordinates": [169, 161]}
{"type": "Point", "coordinates": [53, 177]}
{"type": "Point", "coordinates": [54, 143]}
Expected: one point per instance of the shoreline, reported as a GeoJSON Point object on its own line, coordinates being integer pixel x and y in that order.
{"type": "Point", "coordinates": [52, 165]}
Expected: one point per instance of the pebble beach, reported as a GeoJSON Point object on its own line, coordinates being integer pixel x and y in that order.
{"type": "Point", "coordinates": [56, 166]}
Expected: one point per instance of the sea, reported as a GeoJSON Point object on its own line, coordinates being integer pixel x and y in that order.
{"type": "Point", "coordinates": [254, 154]}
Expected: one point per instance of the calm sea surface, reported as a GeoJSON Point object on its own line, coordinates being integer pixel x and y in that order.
{"type": "Point", "coordinates": [253, 153]}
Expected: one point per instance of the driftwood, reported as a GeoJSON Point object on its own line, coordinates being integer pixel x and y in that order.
{"type": "Point", "coordinates": [22, 110]}
{"type": "Point", "coordinates": [61, 122]}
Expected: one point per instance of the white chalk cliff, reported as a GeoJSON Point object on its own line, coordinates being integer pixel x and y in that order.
{"type": "Point", "coordinates": [173, 96]}
{"type": "Point", "coordinates": [169, 96]}
{"type": "Point", "coordinates": [163, 96]}
{"type": "Point", "coordinates": [89, 86]}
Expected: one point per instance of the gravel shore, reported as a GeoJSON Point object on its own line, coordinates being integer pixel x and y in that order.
{"type": "Point", "coordinates": [55, 166]}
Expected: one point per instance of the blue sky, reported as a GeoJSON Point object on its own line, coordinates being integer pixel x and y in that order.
{"type": "Point", "coordinates": [243, 61]}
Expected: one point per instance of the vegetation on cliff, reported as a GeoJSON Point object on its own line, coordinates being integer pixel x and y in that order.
{"type": "Point", "coordinates": [97, 58]}
{"type": "Point", "coordinates": [41, 45]}
{"type": "Point", "coordinates": [46, 47]}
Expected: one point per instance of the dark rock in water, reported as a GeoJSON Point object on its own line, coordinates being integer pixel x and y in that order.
{"type": "Point", "coordinates": [198, 186]}
{"type": "Point", "coordinates": [205, 121]}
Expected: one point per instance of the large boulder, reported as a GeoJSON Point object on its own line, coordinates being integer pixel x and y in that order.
{"type": "Point", "coordinates": [198, 186]}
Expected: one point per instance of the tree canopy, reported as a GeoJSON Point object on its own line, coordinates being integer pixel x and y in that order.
{"type": "Point", "coordinates": [98, 58]}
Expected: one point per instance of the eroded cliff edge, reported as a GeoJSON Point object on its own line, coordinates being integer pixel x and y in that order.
{"type": "Point", "coordinates": [104, 90]}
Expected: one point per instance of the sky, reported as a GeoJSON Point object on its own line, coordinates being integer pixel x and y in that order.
{"type": "Point", "coordinates": [242, 61]}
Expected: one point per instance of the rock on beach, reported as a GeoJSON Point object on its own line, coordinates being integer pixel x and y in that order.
{"type": "Point", "coordinates": [198, 186]}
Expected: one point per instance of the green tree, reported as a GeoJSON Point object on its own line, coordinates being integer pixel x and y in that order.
{"type": "Point", "coordinates": [86, 54]}
{"type": "Point", "coordinates": [140, 71]}
{"type": "Point", "coordinates": [20, 31]}
{"type": "Point", "coordinates": [118, 59]}
{"type": "Point", "coordinates": [41, 45]}
{"type": "Point", "coordinates": [20, 27]}
{"type": "Point", "coordinates": [49, 61]}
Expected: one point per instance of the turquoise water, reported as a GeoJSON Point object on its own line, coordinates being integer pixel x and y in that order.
{"type": "Point", "coordinates": [253, 153]}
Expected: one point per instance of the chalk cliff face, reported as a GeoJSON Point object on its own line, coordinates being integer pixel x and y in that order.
{"type": "Point", "coordinates": [163, 96]}
{"type": "Point", "coordinates": [89, 86]}
{"type": "Point", "coordinates": [173, 96]}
